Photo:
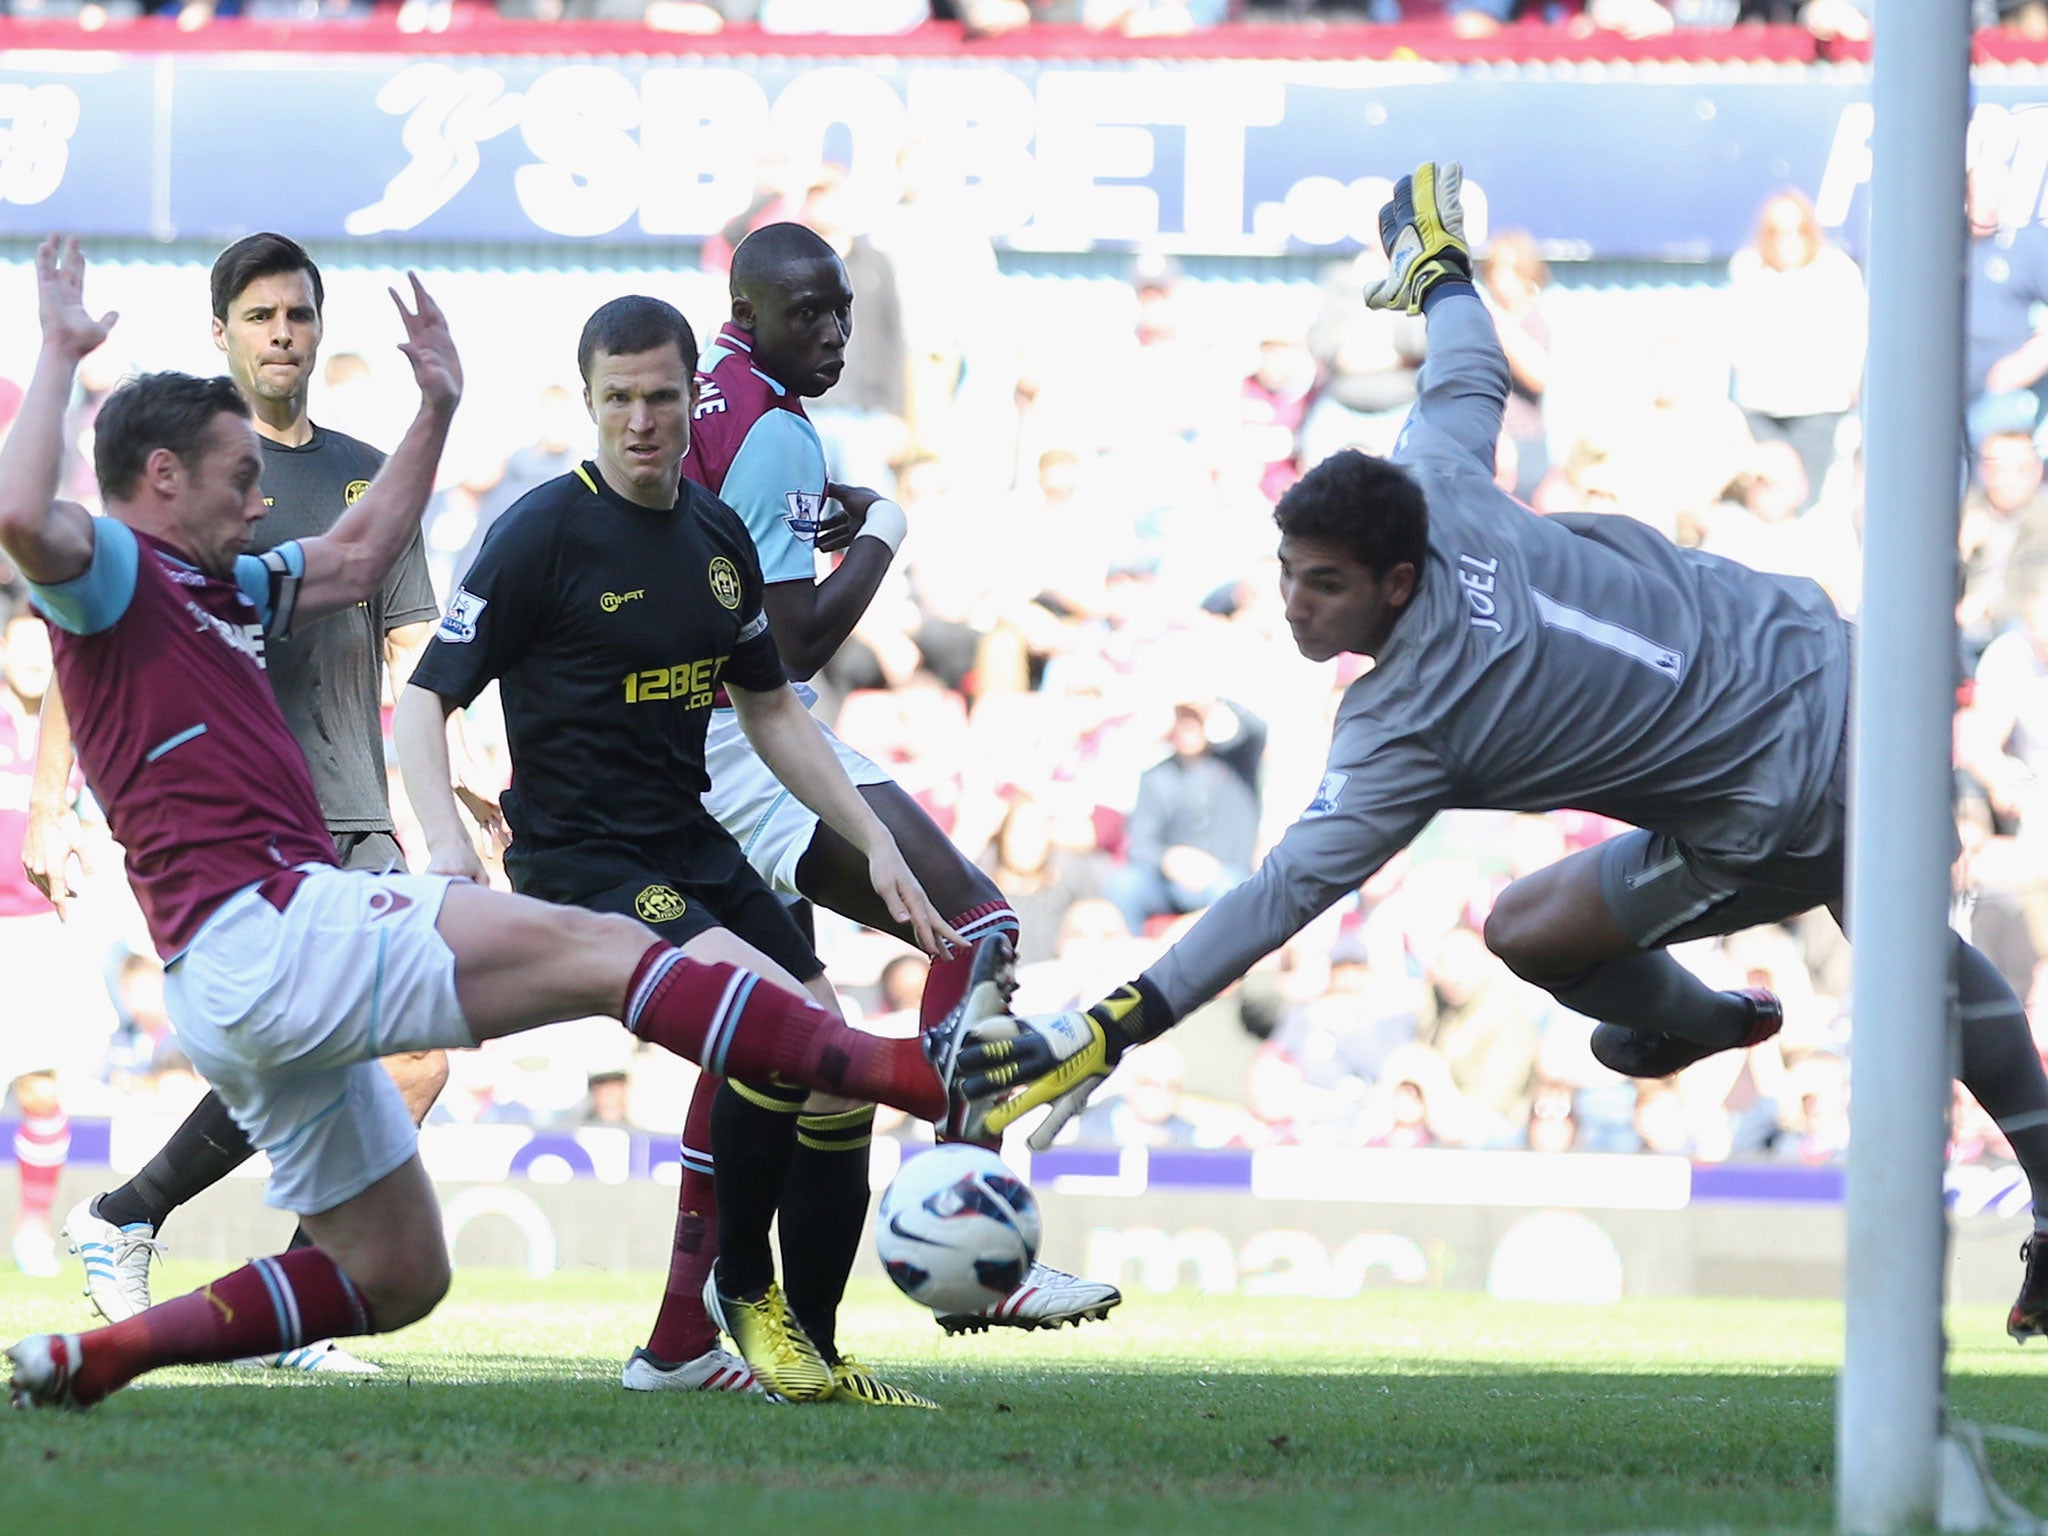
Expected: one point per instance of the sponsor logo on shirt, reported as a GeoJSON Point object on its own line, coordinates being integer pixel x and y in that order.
{"type": "Point", "coordinates": [612, 602]}
{"type": "Point", "coordinates": [725, 583]}
{"type": "Point", "coordinates": [806, 513]}
{"type": "Point", "coordinates": [659, 904]}
{"type": "Point", "coordinates": [1327, 792]}
{"type": "Point", "coordinates": [246, 638]}
{"type": "Point", "coordinates": [458, 624]}
{"type": "Point", "coordinates": [689, 683]}
{"type": "Point", "coordinates": [353, 492]}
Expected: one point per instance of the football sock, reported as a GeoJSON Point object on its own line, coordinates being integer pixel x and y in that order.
{"type": "Point", "coordinates": [263, 1308]}
{"type": "Point", "coordinates": [1653, 991]}
{"type": "Point", "coordinates": [753, 1133]}
{"type": "Point", "coordinates": [737, 1026]}
{"type": "Point", "coordinates": [2001, 1066]}
{"type": "Point", "coordinates": [201, 1152]}
{"type": "Point", "coordinates": [946, 983]}
{"type": "Point", "coordinates": [683, 1330]}
{"type": "Point", "coordinates": [42, 1143]}
{"type": "Point", "coordinates": [824, 1210]}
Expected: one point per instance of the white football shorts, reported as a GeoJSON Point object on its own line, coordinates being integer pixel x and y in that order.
{"type": "Point", "coordinates": [285, 1011]}
{"type": "Point", "coordinates": [772, 826]}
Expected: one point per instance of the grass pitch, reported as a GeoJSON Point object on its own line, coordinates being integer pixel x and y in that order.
{"type": "Point", "coordinates": [1390, 1415]}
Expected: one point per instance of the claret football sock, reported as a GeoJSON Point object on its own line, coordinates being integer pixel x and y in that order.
{"type": "Point", "coordinates": [738, 1026]}
{"type": "Point", "coordinates": [824, 1210]}
{"type": "Point", "coordinates": [946, 983]}
{"type": "Point", "coordinates": [263, 1308]}
{"type": "Point", "coordinates": [683, 1330]}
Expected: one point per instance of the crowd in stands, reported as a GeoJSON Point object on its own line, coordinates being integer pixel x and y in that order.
{"type": "Point", "coordinates": [1080, 667]}
{"type": "Point", "coordinates": [1828, 21]}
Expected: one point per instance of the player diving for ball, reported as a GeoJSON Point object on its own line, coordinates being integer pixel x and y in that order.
{"type": "Point", "coordinates": [1529, 663]}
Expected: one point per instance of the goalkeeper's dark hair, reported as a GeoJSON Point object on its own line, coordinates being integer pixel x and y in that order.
{"type": "Point", "coordinates": [1366, 506]}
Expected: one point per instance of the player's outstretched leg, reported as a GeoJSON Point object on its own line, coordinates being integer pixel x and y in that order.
{"type": "Point", "coordinates": [386, 1266]}
{"type": "Point", "coordinates": [834, 875]}
{"type": "Point", "coordinates": [1556, 929]}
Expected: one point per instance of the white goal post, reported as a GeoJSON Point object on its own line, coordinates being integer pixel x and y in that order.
{"type": "Point", "coordinates": [1889, 1404]}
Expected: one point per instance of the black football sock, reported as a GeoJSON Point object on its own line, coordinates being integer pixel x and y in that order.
{"type": "Point", "coordinates": [1653, 991]}
{"type": "Point", "coordinates": [824, 1210]}
{"type": "Point", "coordinates": [202, 1151]}
{"type": "Point", "coordinates": [753, 1138]}
{"type": "Point", "coordinates": [2001, 1067]}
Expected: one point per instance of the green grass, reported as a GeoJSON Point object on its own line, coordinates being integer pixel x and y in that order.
{"type": "Point", "coordinates": [1390, 1415]}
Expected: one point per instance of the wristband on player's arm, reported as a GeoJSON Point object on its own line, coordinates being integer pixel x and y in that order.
{"type": "Point", "coordinates": [885, 521]}
{"type": "Point", "coordinates": [1131, 1015]}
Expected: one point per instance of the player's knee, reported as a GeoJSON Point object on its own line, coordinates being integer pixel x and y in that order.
{"type": "Point", "coordinates": [402, 1288]}
{"type": "Point", "coordinates": [1512, 929]}
{"type": "Point", "coordinates": [420, 1076]}
{"type": "Point", "coordinates": [832, 1104]}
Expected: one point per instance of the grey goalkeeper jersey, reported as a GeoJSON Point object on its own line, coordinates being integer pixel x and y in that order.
{"type": "Point", "coordinates": [1575, 661]}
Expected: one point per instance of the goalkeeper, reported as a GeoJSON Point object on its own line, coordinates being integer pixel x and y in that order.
{"type": "Point", "coordinates": [1527, 663]}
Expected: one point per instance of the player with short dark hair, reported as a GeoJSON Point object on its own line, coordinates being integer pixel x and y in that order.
{"type": "Point", "coordinates": [614, 605]}
{"type": "Point", "coordinates": [268, 318]}
{"type": "Point", "coordinates": [286, 977]}
{"type": "Point", "coordinates": [753, 446]}
{"type": "Point", "coordinates": [1528, 663]}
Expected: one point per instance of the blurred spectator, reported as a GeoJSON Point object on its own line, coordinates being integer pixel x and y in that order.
{"type": "Point", "coordinates": [1040, 880]}
{"type": "Point", "coordinates": [604, 1103]}
{"type": "Point", "coordinates": [142, 1046]}
{"type": "Point", "coordinates": [1553, 1122]}
{"type": "Point", "coordinates": [1136, 18]}
{"type": "Point", "coordinates": [861, 418]}
{"type": "Point", "coordinates": [1415, 1104]}
{"type": "Point", "coordinates": [2008, 282]}
{"type": "Point", "coordinates": [1798, 329]}
{"type": "Point", "coordinates": [1482, 1022]}
{"type": "Point", "coordinates": [949, 287]}
{"type": "Point", "coordinates": [1275, 400]}
{"type": "Point", "coordinates": [1369, 359]}
{"type": "Point", "coordinates": [1192, 831]}
{"type": "Point", "coordinates": [2002, 736]}
{"type": "Point", "coordinates": [1816, 1114]}
{"type": "Point", "coordinates": [1512, 277]}
{"type": "Point", "coordinates": [2004, 537]}
{"type": "Point", "coordinates": [1141, 1106]}
{"type": "Point", "coordinates": [1676, 453]}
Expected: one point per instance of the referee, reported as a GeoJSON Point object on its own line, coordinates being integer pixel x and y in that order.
{"type": "Point", "coordinates": [616, 605]}
{"type": "Point", "coordinates": [268, 301]}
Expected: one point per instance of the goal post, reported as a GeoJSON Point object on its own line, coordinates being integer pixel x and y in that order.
{"type": "Point", "coordinates": [1889, 1402]}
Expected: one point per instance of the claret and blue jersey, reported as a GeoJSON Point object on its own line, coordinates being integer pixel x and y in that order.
{"type": "Point", "coordinates": [176, 725]}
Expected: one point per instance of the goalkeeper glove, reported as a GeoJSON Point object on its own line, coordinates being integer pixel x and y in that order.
{"type": "Point", "coordinates": [1423, 233]}
{"type": "Point", "coordinates": [1062, 1058]}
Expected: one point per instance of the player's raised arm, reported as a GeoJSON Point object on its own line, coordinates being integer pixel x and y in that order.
{"type": "Point", "coordinates": [349, 562]}
{"type": "Point", "coordinates": [50, 541]}
{"type": "Point", "coordinates": [1465, 377]}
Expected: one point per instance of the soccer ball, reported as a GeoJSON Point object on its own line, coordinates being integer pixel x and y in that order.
{"type": "Point", "coordinates": [957, 1229]}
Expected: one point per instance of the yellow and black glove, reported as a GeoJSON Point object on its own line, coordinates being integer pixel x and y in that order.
{"type": "Point", "coordinates": [1061, 1058]}
{"type": "Point", "coordinates": [1423, 233]}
